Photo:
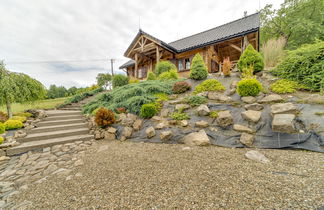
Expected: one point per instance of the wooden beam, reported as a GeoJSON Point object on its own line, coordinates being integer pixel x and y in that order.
{"type": "Point", "coordinates": [157, 54]}
{"type": "Point", "coordinates": [235, 47]}
{"type": "Point", "coordinates": [245, 43]}
{"type": "Point", "coordinates": [136, 65]}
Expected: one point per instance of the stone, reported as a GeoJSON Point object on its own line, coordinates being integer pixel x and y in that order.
{"type": "Point", "coordinates": [242, 128]}
{"type": "Point", "coordinates": [219, 97]}
{"type": "Point", "coordinates": [47, 149]}
{"type": "Point", "coordinates": [97, 135]}
{"type": "Point", "coordinates": [186, 148]}
{"type": "Point", "coordinates": [231, 91]}
{"type": "Point", "coordinates": [224, 119]}
{"type": "Point", "coordinates": [2, 152]}
{"type": "Point", "coordinates": [165, 113]}
{"type": "Point", "coordinates": [199, 138]}
{"type": "Point", "coordinates": [182, 106]}
{"type": "Point", "coordinates": [78, 174]}
{"type": "Point", "coordinates": [251, 115]}
{"type": "Point", "coordinates": [78, 163]}
{"type": "Point", "coordinates": [112, 130]}
{"type": "Point", "coordinates": [56, 148]}
{"type": "Point", "coordinates": [109, 136]}
{"type": "Point", "coordinates": [20, 134]}
{"type": "Point", "coordinates": [254, 106]}
{"type": "Point", "coordinates": [203, 110]}
{"type": "Point", "coordinates": [247, 139]}
{"type": "Point", "coordinates": [68, 178]}
{"type": "Point", "coordinates": [131, 116]}
{"type": "Point", "coordinates": [256, 156]}
{"type": "Point", "coordinates": [103, 148]}
{"type": "Point", "coordinates": [50, 169]}
{"type": "Point", "coordinates": [204, 94]}
{"type": "Point", "coordinates": [284, 108]}
{"type": "Point", "coordinates": [150, 132]}
{"type": "Point", "coordinates": [273, 98]}
{"type": "Point", "coordinates": [166, 135]}
{"type": "Point", "coordinates": [137, 124]}
{"type": "Point", "coordinates": [62, 172]}
{"type": "Point", "coordinates": [127, 122]}
{"type": "Point", "coordinates": [157, 118]}
{"type": "Point", "coordinates": [249, 99]}
{"type": "Point", "coordinates": [201, 124]}
{"type": "Point", "coordinates": [40, 165]}
{"type": "Point", "coordinates": [161, 125]}
{"type": "Point", "coordinates": [127, 132]}
{"type": "Point", "coordinates": [234, 84]}
{"type": "Point", "coordinates": [184, 123]}
{"type": "Point", "coordinates": [283, 123]}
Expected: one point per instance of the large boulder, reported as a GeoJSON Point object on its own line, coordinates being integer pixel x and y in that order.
{"type": "Point", "coordinates": [202, 124]}
{"type": "Point", "coordinates": [203, 110]}
{"type": "Point", "coordinates": [182, 106]}
{"type": "Point", "coordinates": [224, 119]}
{"type": "Point", "coordinates": [166, 135]}
{"type": "Point", "coordinates": [251, 115]}
{"type": "Point", "coordinates": [249, 99]}
{"type": "Point", "coordinates": [284, 108]}
{"type": "Point", "coordinates": [242, 128]}
{"type": "Point", "coordinates": [150, 132]}
{"type": "Point", "coordinates": [219, 97]}
{"type": "Point", "coordinates": [254, 106]}
{"type": "Point", "coordinates": [273, 98]}
{"type": "Point", "coordinates": [283, 123]}
{"type": "Point", "coordinates": [247, 139]}
{"type": "Point", "coordinates": [199, 138]}
{"type": "Point", "coordinates": [256, 156]}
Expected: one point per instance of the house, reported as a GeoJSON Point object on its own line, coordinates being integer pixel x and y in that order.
{"type": "Point", "coordinates": [228, 40]}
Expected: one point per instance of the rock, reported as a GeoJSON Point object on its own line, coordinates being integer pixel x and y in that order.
{"type": "Point", "coordinates": [165, 113]}
{"type": "Point", "coordinates": [256, 156]}
{"type": "Point", "coordinates": [78, 163]}
{"type": "Point", "coordinates": [251, 115]}
{"type": "Point", "coordinates": [273, 98]}
{"type": "Point", "coordinates": [182, 106]}
{"type": "Point", "coordinates": [112, 130]}
{"type": "Point", "coordinates": [242, 128]}
{"type": "Point", "coordinates": [62, 172]}
{"type": "Point", "coordinates": [166, 135]}
{"type": "Point", "coordinates": [3, 158]}
{"type": "Point", "coordinates": [47, 149]}
{"type": "Point", "coordinates": [283, 123]}
{"type": "Point", "coordinates": [40, 165]}
{"type": "Point", "coordinates": [203, 110]}
{"type": "Point", "coordinates": [2, 153]}
{"type": "Point", "coordinates": [284, 108]}
{"type": "Point", "coordinates": [247, 139]}
{"type": "Point", "coordinates": [173, 102]}
{"type": "Point", "coordinates": [186, 148]}
{"type": "Point", "coordinates": [157, 118]}
{"type": "Point", "coordinates": [224, 119]}
{"type": "Point", "coordinates": [150, 132]}
{"type": "Point", "coordinates": [204, 94]}
{"type": "Point", "coordinates": [248, 99]}
{"type": "Point", "coordinates": [219, 97]}
{"type": "Point", "coordinates": [184, 123]}
{"type": "Point", "coordinates": [109, 136]}
{"type": "Point", "coordinates": [127, 132]}
{"type": "Point", "coordinates": [20, 134]}
{"type": "Point", "coordinates": [201, 124]}
{"type": "Point", "coordinates": [231, 91]}
{"type": "Point", "coordinates": [137, 124]}
{"type": "Point", "coordinates": [199, 138]}
{"type": "Point", "coordinates": [234, 84]}
{"type": "Point", "coordinates": [97, 135]}
{"type": "Point", "coordinates": [254, 106]}
{"type": "Point", "coordinates": [131, 116]}
{"type": "Point", "coordinates": [127, 122]}
{"type": "Point", "coordinates": [78, 175]}
{"type": "Point", "coordinates": [161, 125]}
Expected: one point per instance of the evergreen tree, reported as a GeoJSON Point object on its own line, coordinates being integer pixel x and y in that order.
{"type": "Point", "coordinates": [198, 68]}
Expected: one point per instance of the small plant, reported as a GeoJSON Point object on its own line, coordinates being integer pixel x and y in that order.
{"type": "Point", "coordinates": [23, 114]}
{"type": "Point", "coordinates": [249, 87]}
{"type": "Point", "coordinates": [94, 112]}
{"type": "Point", "coordinates": [151, 76]}
{"type": "Point", "coordinates": [247, 72]}
{"type": "Point", "coordinates": [133, 80]}
{"type": "Point", "coordinates": [284, 86]}
{"type": "Point", "coordinates": [198, 69]}
{"type": "Point", "coordinates": [1, 140]}
{"type": "Point", "coordinates": [319, 113]}
{"type": "Point", "coordinates": [195, 100]}
{"type": "Point", "coordinates": [209, 85]}
{"type": "Point", "coordinates": [164, 66]}
{"type": "Point", "coordinates": [169, 75]}
{"type": "Point", "coordinates": [181, 87]}
{"type": "Point", "coordinates": [180, 115]}
{"type": "Point", "coordinates": [2, 128]}
{"type": "Point", "coordinates": [20, 118]}
{"type": "Point", "coordinates": [227, 64]}
{"type": "Point", "coordinates": [251, 57]}
{"type": "Point", "coordinates": [160, 97]}
{"type": "Point", "coordinates": [3, 117]}
{"type": "Point", "coordinates": [121, 110]}
{"type": "Point", "coordinates": [105, 117]}
{"type": "Point", "coordinates": [13, 124]}
{"type": "Point", "coordinates": [214, 114]}
{"type": "Point", "coordinates": [119, 80]}
{"type": "Point", "coordinates": [148, 110]}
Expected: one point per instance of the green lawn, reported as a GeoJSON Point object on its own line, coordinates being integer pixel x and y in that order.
{"type": "Point", "coordinates": [43, 104]}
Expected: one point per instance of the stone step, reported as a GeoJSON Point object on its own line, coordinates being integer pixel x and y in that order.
{"type": "Point", "coordinates": [59, 122]}
{"type": "Point", "coordinates": [57, 128]}
{"type": "Point", "coordinates": [62, 117]}
{"type": "Point", "coordinates": [28, 146]}
{"type": "Point", "coordinates": [72, 109]}
{"type": "Point", "coordinates": [53, 113]}
{"type": "Point", "coordinates": [53, 134]}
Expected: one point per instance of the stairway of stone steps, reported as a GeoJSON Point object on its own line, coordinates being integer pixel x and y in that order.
{"type": "Point", "coordinates": [60, 127]}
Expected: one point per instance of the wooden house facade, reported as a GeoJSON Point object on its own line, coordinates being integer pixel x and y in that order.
{"type": "Point", "coordinates": [228, 40]}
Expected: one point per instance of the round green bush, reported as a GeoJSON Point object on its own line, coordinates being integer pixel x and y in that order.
{"type": "Point", "coordinates": [284, 86]}
{"type": "Point", "coordinates": [164, 66]}
{"type": "Point", "coordinates": [169, 75]}
{"type": "Point", "coordinates": [180, 87]}
{"type": "Point", "coordinates": [251, 57]}
{"type": "Point", "coordinates": [2, 128]}
{"type": "Point", "coordinates": [198, 69]}
{"type": "Point", "coordinates": [13, 124]}
{"type": "Point", "coordinates": [249, 87]}
{"type": "Point", "coordinates": [119, 80]}
{"type": "Point", "coordinates": [151, 76]}
{"type": "Point", "coordinates": [209, 85]}
{"type": "Point", "coordinates": [20, 118]}
{"type": "Point", "coordinates": [148, 110]}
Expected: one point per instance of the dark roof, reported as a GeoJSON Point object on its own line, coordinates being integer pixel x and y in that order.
{"type": "Point", "coordinates": [229, 30]}
{"type": "Point", "coordinates": [127, 64]}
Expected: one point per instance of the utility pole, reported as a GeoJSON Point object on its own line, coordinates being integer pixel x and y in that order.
{"type": "Point", "coordinates": [112, 66]}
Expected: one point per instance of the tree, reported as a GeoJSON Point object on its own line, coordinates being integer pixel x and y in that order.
{"type": "Point", "coordinates": [104, 80]}
{"type": "Point", "coordinates": [119, 80]}
{"type": "Point", "coordinates": [251, 57]}
{"type": "Point", "coordinates": [164, 66]}
{"type": "Point", "coordinates": [19, 88]}
{"type": "Point", "coordinates": [198, 68]}
{"type": "Point", "coordinates": [72, 91]}
{"type": "Point", "coordinates": [57, 92]}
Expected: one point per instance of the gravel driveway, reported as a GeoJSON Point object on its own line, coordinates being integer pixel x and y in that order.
{"type": "Point", "coordinates": [126, 175]}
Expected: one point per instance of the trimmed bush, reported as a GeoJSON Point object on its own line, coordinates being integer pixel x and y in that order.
{"type": "Point", "coordinates": [151, 76]}
{"type": "Point", "coordinates": [226, 69]}
{"type": "Point", "coordinates": [20, 118]}
{"type": "Point", "coordinates": [164, 66]}
{"type": "Point", "coordinates": [180, 115]}
{"type": "Point", "coordinates": [169, 75]}
{"type": "Point", "coordinates": [284, 86]}
{"type": "Point", "coordinates": [181, 87]}
{"type": "Point", "coordinates": [148, 110]}
{"type": "Point", "coordinates": [23, 114]}
{"type": "Point", "coordinates": [3, 117]}
{"type": "Point", "coordinates": [198, 69]}
{"type": "Point", "coordinates": [2, 128]}
{"type": "Point", "coordinates": [249, 87]}
{"type": "Point", "coordinates": [195, 100]}
{"type": "Point", "coordinates": [251, 57]}
{"type": "Point", "coordinates": [13, 124]}
{"type": "Point", "coordinates": [209, 85]}
{"type": "Point", "coordinates": [105, 117]}
{"type": "Point", "coordinates": [119, 80]}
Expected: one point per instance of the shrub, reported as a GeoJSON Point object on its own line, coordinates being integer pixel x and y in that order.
{"type": "Point", "coordinates": [180, 87]}
{"type": "Point", "coordinates": [3, 117]}
{"type": "Point", "coordinates": [164, 66]}
{"type": "Point", "coordinates": [226, 69]}
{"type": "Point", "coordinates": [105, 117]}
{"type": "Point", "coordinates": [2, 128]}
{"type": "Point", "coordinates": [133, 80]}
{"type": "Point", "coordinates": [251, 57]}
{"type": "Point", "coordinates": [94, 112]}
{"type": "Point", "coordinates": [119, 80]}
{"type": "Point", "coordinates": [121, 110]}
{"type": "Point", "coordinates": [13, 124]}
{"type": "Point", "coordinates": [148, 110]}
{"type": "Point", "coordinates": [22, 119]}
{"type": "Point", "coordinates": [180, 115]}
{"type": "Point", "coordinates": [1, 140]}
{"type": "Point", "coordinates": [249, 87]}
{"type": "Point", "coordinates": [169, 75]}
{"type": "Point", "coordinates": [273, 51]}
{"type": "Point", "coordinates": [284, 86]}
{"type": "Point", "coordinates": [209, 85]}
{"type": "Point", "coordinates": [80, 96]}
{"type": "Point", "coordinates": [23, 114]}
{"type": "Point", "coordinates": [248, 72]}
{"type": "Point", "coordinates": [304, 65]}
{"type": "Point", "coordinates": [198, 69]}
{"type": "Point", "coordinates": [195, 100]}
{"type": "Point", "coordinates": [213, 114]}
{"type": "Point", "coordinates": [151, 76]}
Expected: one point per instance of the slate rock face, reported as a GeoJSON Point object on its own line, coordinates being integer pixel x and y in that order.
{"type": "Point", "coordinates": [283, 123]}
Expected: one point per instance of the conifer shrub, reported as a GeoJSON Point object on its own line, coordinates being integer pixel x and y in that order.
{"type": "Point", "coordinates": [226, 69]}
{"type": "Point", "coordinates": [3, 117]}
{"type": "Point", "coordinates": [198, 69]}
{"type": "Point", "coordinates": [23, 114]}
{"type": "Point", "coordinates": [180, 115]}
{"type": "Point", "coordinates": [20, 118]}
{"type": "Point", "coordinates": [209, 85]}
{"type": "Point", "coordinates": [169, 75]}
{"type": "Point", "coordinates": [119, 80]}
{"type": "Point", "coordinates": [151, 76]}
{"type": "Point", "coordinates": [195, 100]}
{"type": "Point", "coordinates": [105, 117]}
{"type": "Point", "coordinates": [13, 124]}
{"type": "Point", "coordinates": [284, 86]}
{"type": "Point", "coordinates": [249, 87]}
{"type": "Point", "coordinates": [181, 87]}
{"type": "Point", "coordinates": [148, 110]}
{"type": "Point", "coordinates": [133, 80]}
{"type": "Point", "coordinates": [1, 140]}
{"type": "Point", "coordinates": [164, 66]}
{"type": "Point", "coordinates": [2, 128]}
{"type": "Point", "coordinates": [251, 57]}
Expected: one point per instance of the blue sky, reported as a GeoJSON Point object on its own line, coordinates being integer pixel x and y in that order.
{"type": "Point", "coordinates": [79, 36]}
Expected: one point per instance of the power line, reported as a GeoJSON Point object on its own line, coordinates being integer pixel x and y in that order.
{"type": "Point", "coordinates": [62, 61]}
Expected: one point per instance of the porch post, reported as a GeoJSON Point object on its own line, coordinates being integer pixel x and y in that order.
{"type": "Point", "coordinates": [157, 54]}
{"type": "Point", "coordinates": [136, 65]}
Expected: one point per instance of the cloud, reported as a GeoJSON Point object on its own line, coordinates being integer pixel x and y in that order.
{"type": "Point", "coordinates": [83, 30]}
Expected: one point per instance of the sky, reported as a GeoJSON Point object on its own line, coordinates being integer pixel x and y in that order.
{"type": "Point", "coordinates": [68, 42]}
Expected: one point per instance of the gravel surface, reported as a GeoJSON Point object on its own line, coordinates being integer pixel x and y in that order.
{"type": "Point", "coordinates": [126, 175]}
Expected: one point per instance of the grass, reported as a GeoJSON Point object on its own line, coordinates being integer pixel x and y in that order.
{"type": "Point", "coordinates": [43, 104]}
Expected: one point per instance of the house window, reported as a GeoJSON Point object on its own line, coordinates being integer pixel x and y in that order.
{"type": "Point", "coordinates": [180, 65]}
{"type": "Point", "coordinates": [187, 63]}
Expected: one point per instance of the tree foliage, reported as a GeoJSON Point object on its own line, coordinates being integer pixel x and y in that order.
{"type": "Point", "coordinates": [104, 80]}
{"type": "Point", "coordinates": [119, 80]}
{"type": "Point", "coordinates": [251, 57]}
{"type": "Point", "coordinates": [164, 66]}
{"type": "Point", "coordinates": [198, 68]}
